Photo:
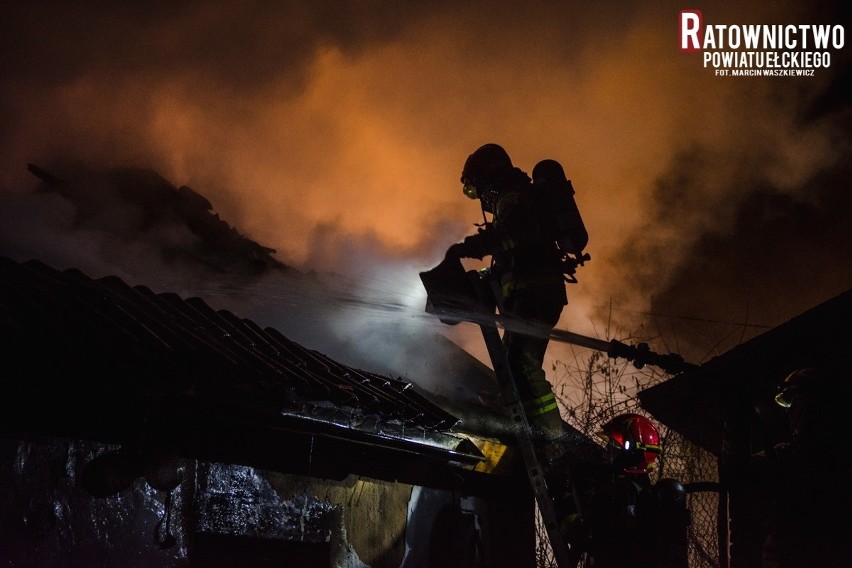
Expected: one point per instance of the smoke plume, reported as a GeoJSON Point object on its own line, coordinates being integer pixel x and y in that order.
{"type": "Point", "coordinates": [334, 133]}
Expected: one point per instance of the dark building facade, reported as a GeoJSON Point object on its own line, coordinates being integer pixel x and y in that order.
{"type": "Point", "coordinates": [143, 429]}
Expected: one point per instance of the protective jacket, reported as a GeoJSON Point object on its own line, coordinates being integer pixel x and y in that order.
{"type": "Point", "coordinates": [528, 268]}
{"type": "Point", "coordinates": [522, 255]}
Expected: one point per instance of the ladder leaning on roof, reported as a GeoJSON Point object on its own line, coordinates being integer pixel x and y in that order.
{"type": "Point", "coordinates": [455, 296]}
{"type": "Point", "coordinates": [477, 304]}
{"type": "Point", "coordinates": [511, 399]}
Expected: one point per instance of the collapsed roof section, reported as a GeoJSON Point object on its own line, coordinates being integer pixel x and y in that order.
{"type": "Point", "coordinates": [102, 360]}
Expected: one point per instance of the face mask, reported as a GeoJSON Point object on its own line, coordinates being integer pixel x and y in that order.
{"type": "Point", "coordinates": [488, 197]}
{"type": "Point", "coordinates": [487, 194]}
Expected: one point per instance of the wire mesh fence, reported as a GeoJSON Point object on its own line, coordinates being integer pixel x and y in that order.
{"type": "Point", "coordinates": [697, 470]}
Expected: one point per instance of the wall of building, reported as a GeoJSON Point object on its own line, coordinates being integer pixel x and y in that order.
{"type": "Point", "coordinates": [219, 515]}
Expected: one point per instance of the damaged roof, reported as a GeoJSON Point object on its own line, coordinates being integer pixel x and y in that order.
{"type": "Point", "coordinates": [100, 359]}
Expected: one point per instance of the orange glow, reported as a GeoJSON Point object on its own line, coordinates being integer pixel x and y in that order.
{"type": "Point", "coordinates": [317, 136]}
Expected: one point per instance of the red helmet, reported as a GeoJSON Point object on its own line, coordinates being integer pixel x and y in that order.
{"type": "Point", "coordinates": [636, 441]}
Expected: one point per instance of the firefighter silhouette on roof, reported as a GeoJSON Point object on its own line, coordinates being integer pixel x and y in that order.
{"type": "Point", "coordinates": [528, 266]}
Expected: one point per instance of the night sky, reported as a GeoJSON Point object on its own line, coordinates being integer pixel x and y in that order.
{"type": "Point", "coordinates": [335, 133]}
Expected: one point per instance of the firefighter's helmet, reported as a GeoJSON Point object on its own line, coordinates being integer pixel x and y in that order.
{"type": "Point", "coordinates": [634, 443]}
{"type": "Point", "coordinates": [798, 382]}
{"type": "Point", "coordinates": [484, 168]}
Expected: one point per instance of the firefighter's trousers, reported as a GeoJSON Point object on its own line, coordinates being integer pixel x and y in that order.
{"type": "Point", "coordinates": [541, 305]}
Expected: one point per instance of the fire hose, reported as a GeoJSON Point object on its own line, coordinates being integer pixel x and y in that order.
{"type": "Point", "coordinates": [454, 296]}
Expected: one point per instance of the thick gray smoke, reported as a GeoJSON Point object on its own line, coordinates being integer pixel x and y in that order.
{"type": "Point", "coordinates": [335, 132]}
{"type": "Point", "coordinates": [135, 224]}
{"type": "Point", "coordinates": [774, 242]}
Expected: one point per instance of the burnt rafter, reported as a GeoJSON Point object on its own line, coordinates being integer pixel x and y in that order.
{"type": "Point", "coordinates": [100, 359]}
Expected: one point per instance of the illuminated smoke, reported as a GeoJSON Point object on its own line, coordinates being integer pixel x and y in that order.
{"type": "Point", "coordinates": [336, 134]}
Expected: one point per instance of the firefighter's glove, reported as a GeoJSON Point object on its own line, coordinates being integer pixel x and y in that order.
{"type": "Point", "coordinates": [455, 251]}
{"type": "Point", "coordinates": [469, 248]}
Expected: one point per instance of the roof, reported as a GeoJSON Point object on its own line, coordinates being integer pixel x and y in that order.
{"type": "Point", "coordinates": [692, 403]}
{"type": "Point", "coordinates": [100, 359]}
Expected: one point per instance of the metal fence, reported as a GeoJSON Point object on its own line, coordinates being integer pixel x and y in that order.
{"type": "Point", "coordinates": [697, 470]}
